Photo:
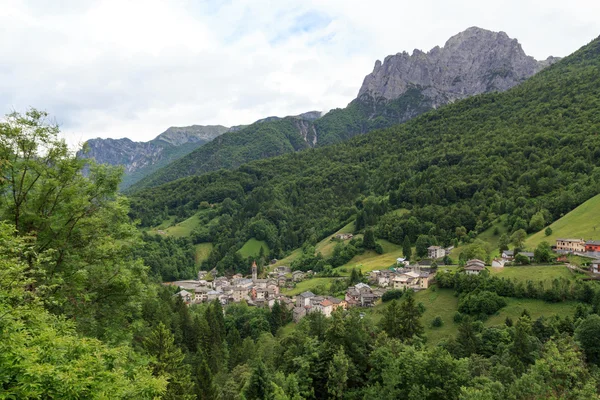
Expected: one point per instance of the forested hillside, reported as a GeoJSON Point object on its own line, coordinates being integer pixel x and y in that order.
{"type": "Point", "coordinates": [262, 139]}
{"type": "Point", "coordinates": [534, 149]}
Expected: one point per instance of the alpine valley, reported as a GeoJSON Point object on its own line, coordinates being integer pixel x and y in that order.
{"type": "Point", "coordinates": [437, 238]}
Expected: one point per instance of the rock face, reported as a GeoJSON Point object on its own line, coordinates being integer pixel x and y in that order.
{"type": "Point", "coordinates": [472, 62]}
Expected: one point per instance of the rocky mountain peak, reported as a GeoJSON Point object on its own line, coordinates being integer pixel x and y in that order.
{"type": "Point", "coordinates": [471, 62]}
{"type": "Point", "coordinates": [178, 135]}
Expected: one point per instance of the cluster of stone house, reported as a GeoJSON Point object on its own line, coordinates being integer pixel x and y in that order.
{"type": "Point", "coordinates": [308, 302]}
{"type": "Point", "coordinates": [238, 288]}
{"type": "Point", "coordinates": [411, 277]}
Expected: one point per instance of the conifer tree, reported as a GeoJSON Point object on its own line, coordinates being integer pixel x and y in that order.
{"type": "Point", "coordinates": [168, 362]}
{"type": "Point", "coordinates": [410, 316]}
{"type": "Point", "coordinates": [406, 248]}
{"type": "Point", "coordinates": [259, 385]}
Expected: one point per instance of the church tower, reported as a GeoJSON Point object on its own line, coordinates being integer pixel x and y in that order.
{"type": "Point", "coordinates": [254, 271]}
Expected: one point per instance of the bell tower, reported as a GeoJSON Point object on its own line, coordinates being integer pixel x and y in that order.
{"type": "Point", "coordinates": [254, 271]}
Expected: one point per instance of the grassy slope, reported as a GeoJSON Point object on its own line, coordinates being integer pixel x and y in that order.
{"type": "Point", "coordinates": [369, 260]}
{"type": "Point", "coordinates": [252, 248]}
{"type": "Point", "coordinates": [529, 273]}
{"type": "Point", "coordinates": [309, 285]}
{"type": "Point", "coordinates": [202, 252]}
{"type": "Point", "coordinates": [582, 222]}
{"type": "Point", "coordinates": [442, 302]}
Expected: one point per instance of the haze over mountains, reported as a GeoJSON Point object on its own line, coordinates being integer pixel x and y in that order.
{"type": "Point", "coordinates": [402, 87]}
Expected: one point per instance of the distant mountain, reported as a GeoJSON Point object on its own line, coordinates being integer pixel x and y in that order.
{"type": "Point", "coordinates": [402, 87]}
{"type": "Point", "coordinates": [142, 158]}
{"type": "Point", "coordinates": [265, 138]}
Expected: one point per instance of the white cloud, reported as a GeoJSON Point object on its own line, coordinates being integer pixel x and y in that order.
{"type": "Point", "coordinates": [133, 68]}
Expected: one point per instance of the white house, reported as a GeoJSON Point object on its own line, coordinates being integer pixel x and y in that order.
{"type": "Point", "coordinates": [435, 252]}
{"type": "Point", "coordinates": [498, 263]}
{"type": "Point", "coordinates": [474, 267]}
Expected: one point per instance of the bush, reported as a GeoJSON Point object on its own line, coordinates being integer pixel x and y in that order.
{"type": "Point", "coordinates": [458, 317]}
{"type": "Point", "coordinates": [392, 295]}
{"type": "Point", "coordinates": [548, 231]}
{"type": "Point", "coordinates": [483, 302]}
{"type": "Point", "coordinates": [437, 322]}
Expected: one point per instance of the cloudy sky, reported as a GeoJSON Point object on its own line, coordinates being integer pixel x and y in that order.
{"type": "Point", "coordinates": [127, 68]}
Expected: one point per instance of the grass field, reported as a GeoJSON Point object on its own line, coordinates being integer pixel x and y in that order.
{"type": "Point", "coordinates": [202, 252]}
{"type": "Point", "coordinates": [442, 302]}
{"type": "Point", "coordinates": [184, 228]}
{"type": "Point", "coordinates": [582, 222]}
{"type": "Point", "coordinates": [369, 260]}
{"type": "Point", "coordinates": [308, 285]}
{"type": "Point", "coordinates": [528, 273]}
{"type": "Point", "coordinates": [533, 273]}
{"type": "Point", "coordinates": [252, 248]}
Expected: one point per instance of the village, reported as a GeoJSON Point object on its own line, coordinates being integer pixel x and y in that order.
{"type": "Point", "coordinates": [265, 292]}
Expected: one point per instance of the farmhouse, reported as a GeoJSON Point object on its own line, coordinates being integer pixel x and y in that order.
{"type": "Point", "coordinates": [595, 266]}
{"type": "Point", "coordinates": [508, 255]}
{"type": "Point", "coordinates": [474, 267]}
{"type": "Point", "coordinates": [435, 252]}
{"type": "Point", "coordinates": [592, 246]}
{"type": "Point", "coordinates": [529, 255]}
{"type": "Point", "coordinates": [570, 245]}
{"type": "Point", "coordinates": [298, 276]}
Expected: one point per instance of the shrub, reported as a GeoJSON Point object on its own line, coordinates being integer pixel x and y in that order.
{"type": "Point", "coordinates": [458, 317]}
{"type": "Point", "coordinates": [437, 322]}
{"type": "Point", "coordinates": [392, 295]}
{"type": "Point", "coordinates": [548, 231]}
{"type": "Point", "coordinates": [483, 302]}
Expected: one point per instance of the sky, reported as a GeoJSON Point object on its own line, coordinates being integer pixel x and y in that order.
{"type": "Point", "coordinates": [128, 68]}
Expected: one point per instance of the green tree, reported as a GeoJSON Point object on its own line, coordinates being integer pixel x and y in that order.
{"type": "Point", "coordinates": [410, 317]}
{"type": "Point", "coordinates": [537, 222]}
{"type": "Point", "coordinates": [42, 356]}
{"type": "Point", "coordinates": [79, 222]}
{"type": "Point", "coordinates": [259, 385]}
{"type": "Point", "coordinates": [518, 238]}
{"type": "Point", "coordinates": [503, 242]}
{"type": "Point", "coordinates": [369, 240]}
{"type": "Point", "coordinates": [168, 362]}
{"type": "Point", "coordinates": [406, 248]}
{"type": "Point", "coordinates": [337, 374]}
{"type": "Point", "coordinates": [548, 231]}
{"type": "Point", "coordinates": [585, 336]}
{"type": "Point", "coordinates": [543, 253]}
{"type": "Point", "coordinates": [421, 245]}
{"type": "Point", "coordinates": [391, 320]}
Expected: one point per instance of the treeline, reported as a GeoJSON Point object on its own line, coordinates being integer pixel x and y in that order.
{"type": "Point", "coordinates": [531, 153]}
{"type": "Point", "coordinates": [348, 356]}
{"type": "Point", "coordinates": [557, 290]}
